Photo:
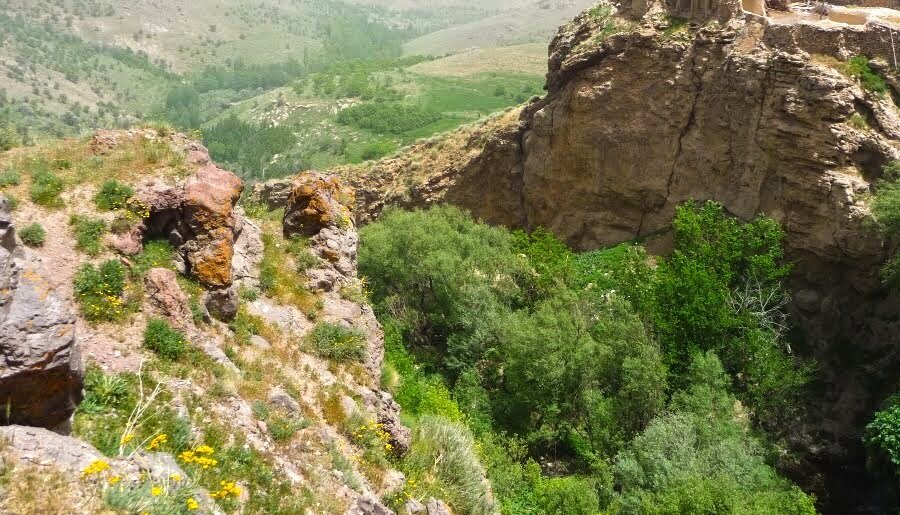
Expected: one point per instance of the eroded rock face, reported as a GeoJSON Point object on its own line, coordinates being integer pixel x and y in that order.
{"type": "Point", "coordinates": [41, 371]}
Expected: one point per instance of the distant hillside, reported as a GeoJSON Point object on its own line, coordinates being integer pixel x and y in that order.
{"type": "Point", "coordinates": [534, 22]}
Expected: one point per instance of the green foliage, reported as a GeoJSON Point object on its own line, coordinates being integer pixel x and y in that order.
{"type": "Point", "coordinates": [113, 195]}
{"type": "Point", "coordinates": [249, 149]}
{"type": "Point", "coordinates": [883, 433]}
{"type": "Point", "coordinates": [570, 495]}
{"type": "Point", "coordinates": [858, 67]}
{"type": "Point", "coordinates": [378, 149]}
{"type": "Point", "coordinates": [104, 392]}
{"type": "Point", "coordinates": [165, 341]}
{"type": "Point", "coordinates": [465, 275]}
{"type": "Point", "coordinates": [700, 458]}
{"type": "Point", "coordinates": [88, 234]}
{"type": "Point", "coordinates": [885, 205]}
{"type": "Point", "coordinates": [45, 189]}
{"type": "Point", "coordinates": [387, 117]}
{"type": "Point", "coordinates": [33, 235]}
{"type": "Point", "coordinates": [336, 342]}
{"type": "Point", "coordinates": [99, 290]}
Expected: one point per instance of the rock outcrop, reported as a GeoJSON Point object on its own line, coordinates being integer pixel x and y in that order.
{"type": "Point", "coordinates": [41, 371]}
{"type": "Point", "coordinates": [758, 115]}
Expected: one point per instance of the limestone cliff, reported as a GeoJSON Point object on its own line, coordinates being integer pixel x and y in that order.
{"type": "Point", "coordinates": [643, 113]}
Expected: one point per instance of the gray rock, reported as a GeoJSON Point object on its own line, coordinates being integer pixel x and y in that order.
{"type": "Point", "coordinates": [248, 249]}
{"type": "Point", "coordinates": [7, 230]}
{"type": "Point", "coordinates": [41, 371]}
{"type": "Point", "coordinates": [369, 505]}
{"type": "Point", "coordinates": [258, 341]}
{"type": "Point", "coordinates": [273, 194]}
{"type": "Point", "coordinates": [281, 399]}
{"type": "Point", "coordinates": [222, 303]}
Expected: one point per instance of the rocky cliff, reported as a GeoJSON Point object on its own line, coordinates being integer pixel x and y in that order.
{"type": "Point", "coordinates": [644, 111]}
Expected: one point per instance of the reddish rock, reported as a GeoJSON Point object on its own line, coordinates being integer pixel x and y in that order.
{"type": "Point", "coordinates": [317, 201]}
{"type": "Point", "coordinates": [208, 213]}
{"type": "Point", "coordinates": [167, 298]}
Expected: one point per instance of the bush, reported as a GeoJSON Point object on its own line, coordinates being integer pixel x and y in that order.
{"type": "Point", "coordinates": [387, 117]}
{"type": "Point", "coordinates": [569, 495]}
{"type": "Point", "coordinates": [885, 204]}
{"type": "Point", "coordinates": [113, 195]}
{"type": "Point", "coordinates": [33, 235]}
{"type": "Point", "coordinates": [883, 434]}
{"type": "Point", "coordinates": [104, 392]}
{"type": "Point", "coordinates": [166, 342]}
{"type": "Point", "coordinates": [334, 341]}
{"type": "Point", "coordinates": [858, 67]}
{"type": "Point", "coordinates": [99, 290]}
{"type": "Point", "coordinates": [701, 457]}
{"type": "Point", "coordinates": [88, 234]}
{"type": "Point", "coordinates": [46, 188]}
{"type": "Point", "coordinates": [443, 460]}
{"type": "Point", "coordinates": [377, 150]}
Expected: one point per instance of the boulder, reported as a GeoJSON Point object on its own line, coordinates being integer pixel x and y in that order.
{"type": "Point", "coordinates": [368, 504]}
{"type": "Point", "coordinates": [431, 507]}
{"type": "Point", "coordinates": [222, 303]}
{"type": "Point", "coordinates": [208, 210]}
{"type": "Point", "coordinates": [167, 298]}
{"type": "Point", "coordinates": [273, 194]}
{"type": "Point", "coordinates": [7, 230]}
{"type": "Point", "coordinates": [281, 399]}
{"type": "Point", "coordinates": [41, 371]}
{"type": "Point", "coordinates": [317, 201]}
{"type": "Point", "coordinates": [248, 250]}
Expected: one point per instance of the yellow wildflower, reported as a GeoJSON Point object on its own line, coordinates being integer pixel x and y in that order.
{"type": "Point", "coordinates": [192, 504]}
{"type": "Point", "coordinates": [156, 491]}
{"type": "Point", "coordinates": [96, 467]}
{"type": "Point", "coordinates": [175, 477]}
{"type": "Point", "coordinates": [205, 449]}
{"type": "Point", "coordinates": [127, 438]}
{"type": "Point", "coordinates": [114, 480]}
{"type": "Point", "coordinates": [157, 442]}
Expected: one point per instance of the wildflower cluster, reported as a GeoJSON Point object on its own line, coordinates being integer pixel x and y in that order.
{"type": "Point", "coordinates": [192, 504]}
{"type": "Point", "coordinates": [372, 434]}
{"type": "Point", "coordinates": [227, 488]}
{"type": "Point", "coordinates": [97, 467]}
{"type": "Point", "coordinates": [200, 456]}
{"type": "Point", "coordinates": [398, 498]}
{"type": "Point", "coordinates": [157, 442]}
{"type": "Point", "coordinates": [99, 290]}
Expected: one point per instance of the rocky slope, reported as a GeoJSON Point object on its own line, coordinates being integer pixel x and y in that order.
{"type": "Point", "coordinates": [258, 414]}
{"type": "Point", "coordinates": [645, 111]}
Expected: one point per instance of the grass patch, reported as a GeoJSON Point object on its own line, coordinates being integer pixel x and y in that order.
{"type": "Point", "coordinates": [279, 275]}
{"type": "Point", "coordinates": [113, 195]}
{"type": "Point", "coordinates": [46, 188]}
{"type": "Point", "coordinates": [155, 254]}
{"type": "Point", "coordinates": [163, 340]}
{"type": "Point", "coordinates": [9, 178]}
{"type": "Point", "coordinates": [88, 234]}
{"type": "Point", "coordinates": [336, 342]}
{"type": "Point", "coordinates": [100, 291]}
{"type": "Point", "coordinates": [33, 235]}
{"type": "Point", "coordinates": [858, 121]}
{"type": "Point", "coordinates": [675, 25]}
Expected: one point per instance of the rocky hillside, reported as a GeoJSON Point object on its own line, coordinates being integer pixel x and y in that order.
{"type": "Point", "coordinates": [168, 351]}
{"type": "Point", "coordinates": [645, 110]}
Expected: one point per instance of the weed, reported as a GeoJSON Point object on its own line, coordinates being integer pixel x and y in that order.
{"type": "Point", "coordinates": [166, 342]}
{"type": "Point", "coordinates": [33, 235]}
{"type": "Point", "coordinates": [88, 234]}
{"type": "Point", "coordinates": [283, 429]}
{"type": "Point", "coordinates": [113, 195]}
{"type": "Point", "coordinates": [46, 188]}
{"type": "Point", "coordinates": [155, 254]}
{"type": "Point", "coordinates": [858, 121]}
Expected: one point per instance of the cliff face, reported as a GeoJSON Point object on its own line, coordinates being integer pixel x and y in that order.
{"type": "Point", "coordinates": [760, 116]}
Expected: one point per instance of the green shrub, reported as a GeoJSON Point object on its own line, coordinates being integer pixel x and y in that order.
{"type": "Point", "coordinates": [45, 189]}
{"type": "Point", "coordinates": [569, 495]}
{"type": "Point", "coordinates": [885, 204]}
{"type": "Point", "coordinates": [113, 195]}
{"type": "Point", "coordinates": [336, 342]}
{"type": "Point", "coordinates": [283, 429]}
{"type": "Point", "coordinates": [13, 202]}
{"type": "Point", "coordinates": [99, 290]}
{"type": "Point", "coordinates": [377, 150]}
{"type": "Point", "coordinates": [387, 117]}
{"type": "Point", "coordinates": [444, 461]}
{"type": "Point", "coordinates": [33, 235]}
{"type": "Point", "coordinates": [304, 260]}
{"type": "Point", "coordinates": [858, 67]}
{"type": "Point", "coordinates": [9, 178]}
{"type": "Point", "coordinates": [883, 433]}
{"type": "Point", "coordinates": [702, 458]}
{"type": "Point", "coordinates": [104, 392]}
{"type": "Point", "coordinates": [88, 234]}
{"type": "Point", "coordinates": [166, 342]}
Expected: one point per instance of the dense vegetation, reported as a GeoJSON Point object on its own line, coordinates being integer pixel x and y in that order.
{"type": "Point", "coordinates": [592, 382]}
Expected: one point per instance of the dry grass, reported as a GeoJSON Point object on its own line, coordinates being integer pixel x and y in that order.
{"type": "Point", "coordinates": [528, 59]}
{"type": "Point", "coordinates": [27, 489]}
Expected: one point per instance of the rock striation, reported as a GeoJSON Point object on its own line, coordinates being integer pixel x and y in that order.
{"type": "Point", "coordinates": [41, 371]}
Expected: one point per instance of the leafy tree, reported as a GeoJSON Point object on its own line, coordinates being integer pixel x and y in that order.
{"type": "Point", "coordinates": [883, 434]}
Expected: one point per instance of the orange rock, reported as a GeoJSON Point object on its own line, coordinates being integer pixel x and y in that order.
{"type": "Point", "coordinates": [318, 201]}
{"type": "Point", "coordinates": [209, 199]}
